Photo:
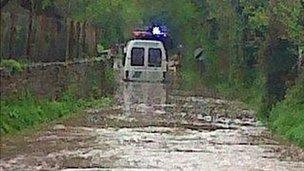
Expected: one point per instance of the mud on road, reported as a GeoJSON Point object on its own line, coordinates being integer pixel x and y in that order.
{"type": "Point", "coordinates": [154, 128]}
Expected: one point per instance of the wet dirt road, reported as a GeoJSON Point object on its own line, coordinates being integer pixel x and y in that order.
{"type": "Point", "coordinates": [153, 128]}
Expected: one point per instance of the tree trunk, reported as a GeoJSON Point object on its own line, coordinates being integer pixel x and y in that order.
{"type": "Point", "coordinates": [83, 43]}
{"type": "Point", "coordinates": [2, 37]}
{"type": "Point", "coordinates": [30, 36]}
{"type": "Point", "coordinates": [42, 23]}
{"type": "Point", "coordinates": [67, 52]}
{"type": "Point", "coordinates": [13, 32]}
{"type": "Point", "coordinates": [271, 42]}
{"type": "Point", "coordinates": [301, 59]}
{"type": "Point", "coordinates": [77, 39]}
{"type": "Point", "coordinates": [96, 40]}
{"type": "Point", "coordinates": [71, 37]}
{"type": "Point", "coordinates": [54, 49]}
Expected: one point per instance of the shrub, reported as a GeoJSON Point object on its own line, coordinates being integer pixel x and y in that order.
{"type": "Point", "coordinates": [12, 66]}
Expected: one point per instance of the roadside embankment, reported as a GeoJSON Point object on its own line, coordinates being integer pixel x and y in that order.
{"type": "Point", "coordinates": [287, 117]}
{"type": "Point", "coordinates": [47, 91]}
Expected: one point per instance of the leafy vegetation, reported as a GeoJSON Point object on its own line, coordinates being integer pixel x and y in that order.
{"type": "Point", "coordinates": [253, 49]}
{"type": "Point", "coordinates": [287, 117]}
{"type": "Point", "coordinates": [12, 66]}
{"type": "Point", "coordinates": [27, 111]}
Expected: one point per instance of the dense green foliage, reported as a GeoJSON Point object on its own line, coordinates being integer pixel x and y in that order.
{"type": "Point", "coordinates": [253, 49]}
{"type": "Point", "coordinates": [117, 18]}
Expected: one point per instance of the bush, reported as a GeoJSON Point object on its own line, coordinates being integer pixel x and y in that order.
{"type": "Point", "coordinates": [12, 66]}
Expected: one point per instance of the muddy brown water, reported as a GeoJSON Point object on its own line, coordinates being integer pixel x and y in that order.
{"type": "Point", "coordinates": [154, 128]}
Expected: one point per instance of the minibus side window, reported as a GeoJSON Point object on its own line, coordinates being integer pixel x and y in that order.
{"type": "Point", "coordinates": [137, 56]}
{"type": "Point", "coordinates": [155, 57]}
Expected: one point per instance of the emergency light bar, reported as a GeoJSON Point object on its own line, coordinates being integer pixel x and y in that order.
{"type": "Point", "coordinates": [155, 32]}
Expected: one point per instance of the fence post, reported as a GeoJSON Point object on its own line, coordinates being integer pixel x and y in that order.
{"type": "Point", "coordinates": [13, 32]}
{"type": "Point", "coordinates": [301, 60]}
{"type": "Point", "coordinates": [30, 33]}
{"type": "Point", "coordinates": [67, 48]}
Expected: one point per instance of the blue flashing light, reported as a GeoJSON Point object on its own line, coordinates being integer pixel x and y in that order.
{"type": "Point", "coordinates": [156, 31]}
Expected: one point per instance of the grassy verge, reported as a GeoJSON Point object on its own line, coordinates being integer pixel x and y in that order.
{"type": "Point", "coordinates": [287, 117]}
{"type": "Point", "coordinates": [28, 111]}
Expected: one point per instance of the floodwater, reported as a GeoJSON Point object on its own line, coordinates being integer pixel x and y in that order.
{"type": "Point", "coordinates": [153, 127]}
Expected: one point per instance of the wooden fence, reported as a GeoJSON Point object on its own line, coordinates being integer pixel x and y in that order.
{"type": "Point", "coordinates": [40, 38]}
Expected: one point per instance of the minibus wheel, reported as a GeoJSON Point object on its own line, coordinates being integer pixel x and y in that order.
{"type": "Point", "coordinates": [165, 77]}
{"type": "Point", "coordinates": [126, 76]}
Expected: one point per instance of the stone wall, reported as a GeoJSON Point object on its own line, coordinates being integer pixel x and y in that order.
{"type": "Point", "coordinates": [53, 79]}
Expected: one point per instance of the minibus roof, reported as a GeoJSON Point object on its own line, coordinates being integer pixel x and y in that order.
{"type": "Point", "coordinates": [140, 42]}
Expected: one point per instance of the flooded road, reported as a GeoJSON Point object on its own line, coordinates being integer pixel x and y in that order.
{"type": "Point", "coordinates": [153, 127]}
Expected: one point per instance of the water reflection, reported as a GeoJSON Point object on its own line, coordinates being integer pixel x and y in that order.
{"type": "Point", "coordinates": [142, 97]}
